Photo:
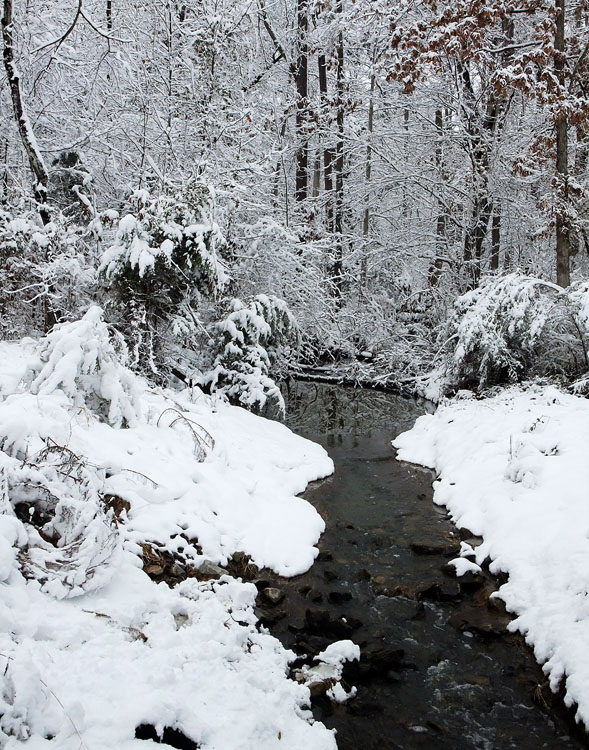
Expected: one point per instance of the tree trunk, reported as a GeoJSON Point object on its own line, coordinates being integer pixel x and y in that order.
{"type": "Point", "coordinates": [480, 134]}
{"type": "Point", "coordinates": [5, 188]}
{"type": "Point", "coordinates": [327, 152]}
{"type": "Point", "coordinates": [315, 185]}
{"type": "Point", "coordinates": [301, 81]}
{"type": "Point", "coordinates": [436, 268]}
{"type": "Point", "coordinates": [563, 275]}
{"type": "Point", "coordinates": [36, 162]}
{"type": "Point", "coordinates": [406, 147]}
{"type": "Point", "coordinates": [367, 179]}
{"type": "Point", "coordinates": [495, 238]}
{"type": "Point", "coordinates": [338, 223]}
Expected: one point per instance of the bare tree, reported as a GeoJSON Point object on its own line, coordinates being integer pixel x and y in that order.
{"type": "Point", "coordinates": [36, 161]}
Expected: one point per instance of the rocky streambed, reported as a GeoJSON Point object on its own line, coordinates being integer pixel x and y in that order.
{"type": "Point", "coordinates": [438, 670]}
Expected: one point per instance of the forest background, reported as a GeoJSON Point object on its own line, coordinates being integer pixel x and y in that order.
{"type": "Point", "coordinates": [383, 189]}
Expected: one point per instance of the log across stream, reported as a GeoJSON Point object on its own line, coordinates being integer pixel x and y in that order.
{"type": "Point", "coordinates": [439, 669]}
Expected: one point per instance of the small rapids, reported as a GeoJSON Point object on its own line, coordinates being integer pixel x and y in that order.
{"type": "Point", "coordinates": [439, 668]}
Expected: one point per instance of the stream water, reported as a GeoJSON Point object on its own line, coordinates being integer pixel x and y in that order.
{"type": "Point", "coordinates": [439, 670]}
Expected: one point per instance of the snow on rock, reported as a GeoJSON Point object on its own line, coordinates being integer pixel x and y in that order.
{"type": "Point", "coordinates": [90, 647]}
{"type": "Point", "coordinates": [327, 673]}
{"type": "Point", "coordinates": [339, 652]}
{"type": "Point", "coordinates": [512, 469]}
{"type": "Point", "coordinates": [463, 566]}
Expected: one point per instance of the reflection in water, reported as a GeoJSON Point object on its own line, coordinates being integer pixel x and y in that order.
{"type": "Point", "coordinates": [324, 409]}
{"type": "Point", "coordinates": [455, 687]}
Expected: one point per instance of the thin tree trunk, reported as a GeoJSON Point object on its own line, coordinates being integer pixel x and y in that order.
{"type": "Point", "coordinates": [5, 189]}
{"type": "Point", "coordinates": [301, 81]}
{"type": "Point", "coordinates": [508, 29]}
{"type": "Point", "coordinates": [495, 238]}
{"type": "Point", "coordinates": [406, 147]}
{"type": "Point", "coordinates": [316, 176]}
{"type": "Point", "coordinates": [338, 223]}
{"type": "Point", "coordinates": [109, 15]}
{"type": "Point", "coordinates": [482, 205]}
{"type": "Point", "coordinates": [563, 275]}
{"type": "Point", "coordinates": [36, 162]}
{"type": "Point", "coordinates": [367, 180]}
{"type": "Point", "coordinates": [436, 268]}
{"type": "Point", "coordinates": [327, 152]}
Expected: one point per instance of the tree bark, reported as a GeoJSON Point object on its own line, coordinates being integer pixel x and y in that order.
{"type": "Point", "coordinates": [327, 152]}
{"type": "Point", "coordinates": [301, 82]}
{"type": "Point", "coordinates": [36, 162]}
{"type": "Point", "coordinates": [563, 274]}
{"type": "Point", "coordinates": [436, 268]}
{"type": "Point", "coordinates": [5, 189]}
{"type": "Point", "coordinates": [367, 179]}
{"type": "Point", "coordinates": [338, 223]}
{"type": "Point", "coordinates": [495, 238]}
{"type": "Point", "coordinates": [479, 134]}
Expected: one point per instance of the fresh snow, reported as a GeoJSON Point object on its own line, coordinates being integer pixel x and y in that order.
{"type": "Point", "coordinates": [329, 669]}
{"type": "Point", "coordinates": [90, 647]}
{"type": "Point", "coordinates": [513, 469]}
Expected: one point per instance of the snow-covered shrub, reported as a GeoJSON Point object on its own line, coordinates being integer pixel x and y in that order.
{"type": "Point", "coordinates": [69, 537]}
{"type": "Point", "coordinates": [162, 263]}
{"type": "Point", "coordinates": [578, 296]}
{"type": "Point", "coordinates": [252, 338]}
{"type": "Point", "coordinates": [275, 258]}
{"type": "Point", "coordinates": [509, 328]}
{"type": "Point", "coordinates": [87, 364]}
{"type": "Point", "coordinates": [45, 273]}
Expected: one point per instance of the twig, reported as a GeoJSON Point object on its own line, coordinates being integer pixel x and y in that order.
{"type": "Point", "coordinates": [203, 440]}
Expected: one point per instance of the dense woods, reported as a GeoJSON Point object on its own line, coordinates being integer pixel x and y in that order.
{"type": "Point", "coordinates": [358, 164]}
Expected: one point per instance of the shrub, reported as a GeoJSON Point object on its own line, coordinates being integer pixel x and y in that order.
{"type": "Point", "coordinates": [252, 338]}
{"type": "Point", "coordinates": [45, 274]}
{"type": "Point", "coordinates": [511, 328]}
{"type": "Point", "coordinates": [83, 361]}
{"type": "Point", "coordinates": [162, 263]}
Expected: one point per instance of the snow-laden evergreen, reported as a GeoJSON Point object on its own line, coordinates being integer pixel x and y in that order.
{"type": "Point", "coordinates": [253, 336]}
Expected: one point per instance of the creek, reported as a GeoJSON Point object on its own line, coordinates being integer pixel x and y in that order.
{"type": "Point", "coordinates": [439, 669]}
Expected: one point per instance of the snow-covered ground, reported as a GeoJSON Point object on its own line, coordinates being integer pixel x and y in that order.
{"type": "Point", "coordinates": [514, 470]}
{"type": "Point", "coordinates": [90, 646]}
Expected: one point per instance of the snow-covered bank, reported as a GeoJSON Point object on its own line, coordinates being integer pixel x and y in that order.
{"type": "Point", "coordinates": [513, 469]}
{"type": "Point", "coordinates": [90, 647]}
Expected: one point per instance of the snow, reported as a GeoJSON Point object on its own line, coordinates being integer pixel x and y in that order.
{"type": "Point", "coordinates": [90, 647]}
{"type": "Point", "coordinates": [329, 668]}
{"type": "Point", "coordinates": [462, 566]}
{"type": "Point", "coordinates": [337, 653]}
{"type": "Point", "coordinates": [512, 469]}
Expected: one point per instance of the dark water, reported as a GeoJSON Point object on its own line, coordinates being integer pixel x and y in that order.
{"type": "Point", "coordinates": [441, 671]}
